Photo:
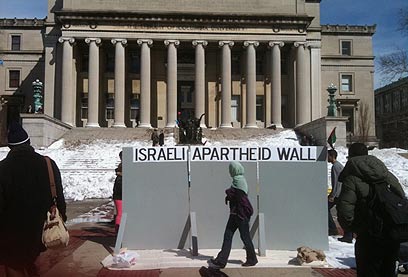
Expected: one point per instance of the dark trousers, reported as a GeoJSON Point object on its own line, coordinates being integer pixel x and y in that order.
{"type": "Point", "coordinates": [234, 223]}
{"type": "Point", "coordinates": [375, 257]}
{"type": "Point", "coordinates": [332, 224]}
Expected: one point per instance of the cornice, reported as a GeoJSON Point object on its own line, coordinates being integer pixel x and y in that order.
{"type": "Point", "coordinates": [275, 21]}
{"type": "Point", "coordinates": [18, 23]}
{"type": "Point", "coordinates": [348, 29]}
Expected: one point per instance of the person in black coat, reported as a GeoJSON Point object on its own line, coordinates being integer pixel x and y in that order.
{"type": "Point", "coordinates": [161, 138]}
{"type": "Point", "coordinates": [25, 198]}
{"type": "Point", "coordinates": [117, 193]}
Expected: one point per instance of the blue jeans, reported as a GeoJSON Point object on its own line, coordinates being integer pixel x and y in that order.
{"type": "Point", "coordinates": [234, 223]}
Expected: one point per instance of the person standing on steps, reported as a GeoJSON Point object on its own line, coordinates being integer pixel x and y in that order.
{"type": "Point", "coordinates": [117, 193]}
{"type": "Point", "coordinates": [155, 137]}
{"type": "Point", "coordinates": [240, 213]}
{"type": "Point", "coordinates": [161, 138]}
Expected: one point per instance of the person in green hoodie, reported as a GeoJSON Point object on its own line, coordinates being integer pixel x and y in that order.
{"type": "Point", "coordinates": [240, 213]}
{"type": "Point", "coordinates": [375, 257]}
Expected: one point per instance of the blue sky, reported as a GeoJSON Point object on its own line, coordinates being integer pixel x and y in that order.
{"type": "Point", "coordinates": [384, 13]}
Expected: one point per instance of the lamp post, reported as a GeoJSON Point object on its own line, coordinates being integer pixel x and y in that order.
{"type": "Point", "coordinates": [37, 95]}
{"type": "Point", "coordinates": [331, 109]}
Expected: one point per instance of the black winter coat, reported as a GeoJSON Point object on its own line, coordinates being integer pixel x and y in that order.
{"type": "Point", "coordinates": [117, 188]}
{"type": "Point", "coordinates": [25, 198]}
{"type": "Point", "coordinates": [357, 175]}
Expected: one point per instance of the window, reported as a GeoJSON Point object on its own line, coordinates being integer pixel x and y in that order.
{"type": "Point", "coordinates": [349, 112]}
{"type": "Point", "coordinates": [85, 62]}
{"type": "Point", "coordinates": [110, 62]}
{"type": "Point", "coordinates": [346, 47]}
{"type": "Point", "coordinates": [404, 100]}
{"type": "Point", "coordinates": [387, 106]}
{"type": "Point", "coordinates": [260, 108]}
{"type": "Point", "coordinates": [14, 78]}
{"type": "Point", "coordinates": [396, 101]}
{"type": "Point", "coordinates": [346, 83]}
{"type": "Point", "coordinates": [134, 62]}
{"type": "Point", "coordinates": [235, 108]}
{"type": "Point", "coordinates": [15, 43]}
{"type": "Point", "coordinates": [377, 105]}
{"type": "Point", "coordinates": [134, 107]}
{"type": "Point", "coordinates": [110, 107]}
{"type": "Point", "coordinates": [259, 64]}
{"type": "Point", "coordinates": [84, 106]}
{"type": "Point", "coordinates": [235, 64]}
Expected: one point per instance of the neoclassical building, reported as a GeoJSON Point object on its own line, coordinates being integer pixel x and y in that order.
{"type": "Point", "coordinates": [391, 112]}
{"type": "Point", "coordinates": [244, 64]}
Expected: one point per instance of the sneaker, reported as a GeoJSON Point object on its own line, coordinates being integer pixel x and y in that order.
{"type": "Point", "coordinates": [347, 240]}
{"type": "Point", "coordinates": [214, 263]}
{"type": "Point", "coordinates": [248, 263]}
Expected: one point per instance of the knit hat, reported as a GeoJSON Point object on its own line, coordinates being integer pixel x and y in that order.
{"type": "Point", "coordinates": [357, 149]}
{"type": "Point", "coordinates": [16, 134]}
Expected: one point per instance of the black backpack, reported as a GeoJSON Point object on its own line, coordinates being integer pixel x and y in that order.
{"type": "Point", "coordinates": [387, 213]}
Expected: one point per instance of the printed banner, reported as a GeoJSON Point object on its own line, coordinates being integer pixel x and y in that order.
{"type": "Point", "coordinates": [160, 154]}
{"type": "Point", "coordinates": [224, 154]}
{"type": "Point", "coordinates": [253, 154]}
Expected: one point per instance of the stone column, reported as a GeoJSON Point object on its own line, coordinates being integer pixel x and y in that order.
{"type": "Point", "coordinates": [316, 80]}
{"type": "Point", "coordinates": [200, 79]}
{"type": "Point", "coordinates": [251, 84]}
{"type": "Point", "coordinates": [171, 82]}
{"type": "Point", "coordinates": [68, 93]}
{"type": "Point", "coordinates": [302, 98]}
{"type": "Point", "coordinates": [276, 88]}
{"type": "Point", "coordinates": [226, 84]}
{"type": "Point", "coordinates": [145, 45]}
{"type": "Point", "coordinates": [119, 82]}
{"type": "Point", "coordinates": [93, 81]}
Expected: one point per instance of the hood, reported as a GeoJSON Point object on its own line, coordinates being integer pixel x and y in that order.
{"type": "Point", "coordinates": [237, 171]}
{"type": "Point", "coordinates": [367, 168]}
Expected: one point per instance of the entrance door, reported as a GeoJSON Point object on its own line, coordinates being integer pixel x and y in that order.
{"type": "Point", "coordinates": [185, 99]}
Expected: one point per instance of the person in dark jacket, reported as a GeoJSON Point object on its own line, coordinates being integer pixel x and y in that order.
{"type": "Point", "coordinates": [240, 213]}
{"type": "Point", "coordinates": [25, 198]}
{"type": "Point", "coordinates": [374, 256]}
{"type": "Point", "coordinates": [155, 137]}
{"type": "Point", "coordinates": [336, 169]}
{"type": "Point", "coordinates": [161, 138]}
{"type": "Point", "coordinates": [117, 193]}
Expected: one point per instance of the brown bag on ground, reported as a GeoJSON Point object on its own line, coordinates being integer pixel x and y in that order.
{"type": "Point", "coordinates": [308, 255]}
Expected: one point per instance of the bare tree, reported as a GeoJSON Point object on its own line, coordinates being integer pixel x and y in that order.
{"type": "Point", "coordinates": [364, 122]}
{"type": "Point", "coordinates": [403, 21]}
{"type": "Point", "coordinates": [395, 65]}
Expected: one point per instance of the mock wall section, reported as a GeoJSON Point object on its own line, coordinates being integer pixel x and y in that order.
{"type": "Point", "coordinates": [163, 185]}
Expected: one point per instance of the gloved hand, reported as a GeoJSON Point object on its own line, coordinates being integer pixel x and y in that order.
{"type": "Point", "coordinates": [226, 200]}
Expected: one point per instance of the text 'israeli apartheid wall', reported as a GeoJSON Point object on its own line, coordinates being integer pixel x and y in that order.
{"type": "Point", "coordinates": [163, 186]}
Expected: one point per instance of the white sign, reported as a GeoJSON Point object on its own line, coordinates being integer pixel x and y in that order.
{"type": "Point", "coordinates": [160, 154]}
{"type": "Point", "coordinates": [253, 154]}
{"type": "Point", "coordinates": [224, 154]}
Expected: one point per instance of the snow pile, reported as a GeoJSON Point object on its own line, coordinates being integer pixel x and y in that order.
{"type": "Point", "coordinates": [88, 170]}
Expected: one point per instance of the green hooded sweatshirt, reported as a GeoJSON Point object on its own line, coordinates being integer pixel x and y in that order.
{"type": "Point", "coordinates": [237, 171]}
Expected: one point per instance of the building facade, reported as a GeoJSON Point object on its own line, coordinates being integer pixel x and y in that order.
{"type": "Point", "coordinates": [391, 114]}
{"type": "Point", "coordinates": [244, 64]}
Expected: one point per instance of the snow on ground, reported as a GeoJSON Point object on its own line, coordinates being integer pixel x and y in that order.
{"type": "Point", "coordinates": [88, 172]}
